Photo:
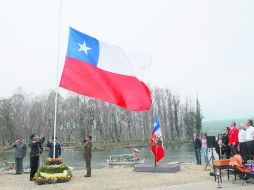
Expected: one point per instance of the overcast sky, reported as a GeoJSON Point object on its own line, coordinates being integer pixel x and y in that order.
{"type": "Point", "coordinates": [203, 48]}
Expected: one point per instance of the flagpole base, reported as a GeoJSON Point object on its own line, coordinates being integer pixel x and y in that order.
{"type": "Point", "coordinates": [166, 168]}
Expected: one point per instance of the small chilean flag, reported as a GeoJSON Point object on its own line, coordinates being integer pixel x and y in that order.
{"type": "Point", "coordinates": [156, 141]}
{"type": "Point", "coordinates": [95, 69]}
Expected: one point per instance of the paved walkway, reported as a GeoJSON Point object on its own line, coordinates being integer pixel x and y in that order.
{"type": "Point", "coordinates": [207, 186]}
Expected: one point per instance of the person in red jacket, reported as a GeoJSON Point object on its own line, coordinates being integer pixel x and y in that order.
{"type": "Point", "coordinates": [233, 138]}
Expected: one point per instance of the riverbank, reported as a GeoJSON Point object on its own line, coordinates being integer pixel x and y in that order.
{"type": "Point", "coordinates": [101, 146]}
{"type": "Point", "coordinates": [108, 145]}
{"type": "Point", "coordinates": [118, 178]}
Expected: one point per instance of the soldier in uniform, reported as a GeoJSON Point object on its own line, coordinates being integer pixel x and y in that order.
{"type": "Point", "coordinates": [88, 154]}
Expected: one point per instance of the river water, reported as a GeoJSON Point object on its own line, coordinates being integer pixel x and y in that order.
{"type": "Point", "coordinates": [173, 153]}
{"type": "Point", "coordinates": [74, 158]}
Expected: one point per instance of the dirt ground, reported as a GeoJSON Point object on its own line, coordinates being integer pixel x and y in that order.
{"type": "Point", "coordinates": [120, 178]}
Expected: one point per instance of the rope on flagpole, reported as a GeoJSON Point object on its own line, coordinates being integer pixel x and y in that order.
{"type": "Point", "coordinates": [57, 86]}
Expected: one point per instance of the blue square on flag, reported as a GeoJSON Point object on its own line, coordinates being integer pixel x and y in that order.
{"type": "Point", "coordinates": [83, 47]}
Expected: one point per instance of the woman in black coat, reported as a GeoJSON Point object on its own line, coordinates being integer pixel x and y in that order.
{"type": "Point", "coordinates": [225, 149]}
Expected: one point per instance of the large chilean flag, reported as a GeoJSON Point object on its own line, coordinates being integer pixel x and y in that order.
{"type": "Point", "coordinates": [93, 68]}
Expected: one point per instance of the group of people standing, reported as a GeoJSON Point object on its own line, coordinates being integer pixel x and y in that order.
{"type": "Point", "coordinates": [36, 144]}
{"type": "Point", "coordinates": [236, 139]}
{"type": "Point", "coordinates": [200, 145]}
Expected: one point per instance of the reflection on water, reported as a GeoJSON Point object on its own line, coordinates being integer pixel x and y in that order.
{"type": "Point", "coordinates": [179, 153]}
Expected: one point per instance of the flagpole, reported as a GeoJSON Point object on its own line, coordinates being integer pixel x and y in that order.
{"type": "Point", "coordinates": [155, 144]}
{"type": "Point", "coordinates": [57, 86]}
{"type": "Point", "coordinates": [155, 157]}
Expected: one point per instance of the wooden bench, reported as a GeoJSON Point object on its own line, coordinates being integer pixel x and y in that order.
{"type": "Point", "coordinates": [218, 165]}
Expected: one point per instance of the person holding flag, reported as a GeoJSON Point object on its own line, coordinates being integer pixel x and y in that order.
{"type": "Point", "coordinates": [156, 142]}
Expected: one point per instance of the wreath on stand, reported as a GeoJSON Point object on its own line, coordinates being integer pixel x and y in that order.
{"type": "Point", "coordinates": [52, 171]}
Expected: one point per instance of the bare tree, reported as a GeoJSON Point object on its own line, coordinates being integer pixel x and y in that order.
{"type": "Point", "coordinates": [22, 114]}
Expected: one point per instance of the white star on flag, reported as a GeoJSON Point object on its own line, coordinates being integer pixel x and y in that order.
{"type": "Point", "coordinates": [83, 47]}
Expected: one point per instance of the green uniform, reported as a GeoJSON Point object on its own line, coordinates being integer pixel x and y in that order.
{"type": "Point", "coordinates": [88, 155]}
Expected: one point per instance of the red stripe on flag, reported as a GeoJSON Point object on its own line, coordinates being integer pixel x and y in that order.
{"type": "Point", "coordinates": [125, 91]}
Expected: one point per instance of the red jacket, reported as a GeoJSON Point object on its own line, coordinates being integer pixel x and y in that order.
{"type": "Point", "coordinates": [233, 136]}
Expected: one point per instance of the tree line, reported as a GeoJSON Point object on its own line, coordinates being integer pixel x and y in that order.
{"type": "Point", "coordinates": [24, 114]}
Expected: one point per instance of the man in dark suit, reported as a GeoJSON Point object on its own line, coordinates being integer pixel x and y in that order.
{"type": "Point", "coordinates": [36, 150]}
{"type": "Point", "coordinates": [88, 154]}
{"type": "Point", "coordinates": [50, 144]}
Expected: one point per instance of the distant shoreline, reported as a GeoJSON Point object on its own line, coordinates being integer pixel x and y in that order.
{"type": "Point", "coordinates": [227, 119]}
{"type": "Point", "coordinates": [107, 146]}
